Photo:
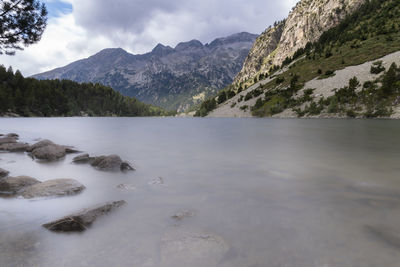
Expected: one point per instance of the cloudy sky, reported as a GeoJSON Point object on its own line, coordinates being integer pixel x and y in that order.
{"type": "Point", "coordinates": [80, 28]}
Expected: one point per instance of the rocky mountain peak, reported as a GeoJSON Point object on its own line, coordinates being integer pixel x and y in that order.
{"type": "Point", "coordinates": [193, 44]}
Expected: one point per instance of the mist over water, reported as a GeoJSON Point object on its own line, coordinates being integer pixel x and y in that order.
{"type": "Point", "coordinates": [278, 192]}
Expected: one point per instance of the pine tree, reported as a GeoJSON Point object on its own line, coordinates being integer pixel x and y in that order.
{"type": "Point", "coordinates": [22, 23]}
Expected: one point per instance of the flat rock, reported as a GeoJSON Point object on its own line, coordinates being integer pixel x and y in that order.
{"type": "Point", "coordinates": [192, 248]}
{"type": "Point", "coordinates": [56, 187]}
{"type": "Point", "coordinates": [105, 163]}
{"type": "Point", "coordinates": [12, 185]}
{"type": "Point", "coordinates": [3, 173]}
{"type": "Point", "coordinates": [81, 220]}
{"type": "Point", "coordinates": [84, 158]}
{"type": "Point", "coordinates": [14, 147]}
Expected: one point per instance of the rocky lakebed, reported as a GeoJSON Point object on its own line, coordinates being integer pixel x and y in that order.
{"type": "Point", "coordinates": [178, 246]}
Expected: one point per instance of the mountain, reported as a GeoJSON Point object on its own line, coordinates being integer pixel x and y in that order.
{"type": "Point", "coordinates": [173, 78]}
{"type": "Point", "coordinates": [329, 58]}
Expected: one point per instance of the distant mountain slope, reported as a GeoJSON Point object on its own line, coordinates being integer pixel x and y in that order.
{"type": "Point", "coordinates": [173, 78]}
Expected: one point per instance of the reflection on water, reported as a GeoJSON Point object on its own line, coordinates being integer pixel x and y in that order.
{"type": "Point", "coordinates": [263, 193]}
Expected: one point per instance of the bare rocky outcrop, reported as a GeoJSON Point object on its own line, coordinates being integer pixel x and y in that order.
{"type": "Point", "coordinates": [105, 163]}
{"type": "Point", "coordinates": [51, 188]}
{"type": "Point", "coordinates": [305, 23]}
{"type": "Point", "coordinates": [81, 220]}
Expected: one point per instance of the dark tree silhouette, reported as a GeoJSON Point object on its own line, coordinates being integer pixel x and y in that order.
{"type": "Point", "coordinates": [22, 23]}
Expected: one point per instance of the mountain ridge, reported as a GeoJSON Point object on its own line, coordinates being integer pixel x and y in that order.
{"type": "Point", "coordinates": [173, 78]}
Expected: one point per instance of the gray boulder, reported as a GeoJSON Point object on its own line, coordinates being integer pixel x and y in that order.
{"type": "Point", "coordinates": [40, 144]}
{"type": "Point", "coordinates": [12, 185]}
{"type": "Point", "coordinates": [3, 173]}
{"type": "Point", "coordinates": [82, 219]}
{"type": "Point", "coordinates": [49, 151]}
{"type": "Point", "coordinates": [107, 163]}
{"type": "Point", "coordinates": [57, 187]}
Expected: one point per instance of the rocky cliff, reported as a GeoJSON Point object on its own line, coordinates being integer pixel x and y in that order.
{"type": "Point", "coordinates": [173, 78]}
{"type": "Point", "coordinates": [305, 23]}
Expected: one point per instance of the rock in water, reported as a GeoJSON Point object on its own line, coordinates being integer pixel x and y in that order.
{"type": "Point", "coordinates": [3, 173]}
{"type": "Point", "coordinates": [84, 158]}
{"type": "Point", "coordinates": [47, 150]}
{"type": "Point", "coordinates": [105, 163]}
{"type": "Point", "coordinates": [12, 185]}
{"type": "Point", "coordinates": [50, 152]}
{"type": "Point", "coordinates": [82, 219]}
{"type": "Point", "coordinates": [57, 187]}
{"type": "Point", "coordinates": [7, 140]}
{"type": "Point", "coordinates": [14, 147]}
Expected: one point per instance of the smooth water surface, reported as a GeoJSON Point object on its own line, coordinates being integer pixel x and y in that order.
{"type": "Point", "coordinates": [298, 193]}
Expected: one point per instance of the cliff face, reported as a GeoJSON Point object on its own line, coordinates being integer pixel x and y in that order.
{"type": "Point", "coordinates": [305, 23]}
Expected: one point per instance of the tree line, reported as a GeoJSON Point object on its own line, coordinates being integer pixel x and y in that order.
{"type": "Point", "coordinates": [47, 98]}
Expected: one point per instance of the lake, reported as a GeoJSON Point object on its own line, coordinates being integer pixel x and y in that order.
{"type": "Point", "coordinates": [260, 192]}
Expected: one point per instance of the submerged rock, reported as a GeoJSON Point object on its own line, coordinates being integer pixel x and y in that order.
{"type": "Point", "coordinates": [12, 185]}
{"type": "Point", "coordinates": [56, 187]}
{"type": "Point", "coordinates": [179, 216]}
{"type": "Point", "coordinates": [192, 248]}
{"type": "Point", "coordinates": [49, 151]}
{"type": "Point", "coordinates": [105, 163]}
{"type": "Point", "coordinates": [3, 173]}
{"type": "Point", "coordinates": [81, 220]}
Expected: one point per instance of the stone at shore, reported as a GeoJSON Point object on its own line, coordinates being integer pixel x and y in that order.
{"type": "Point", "coordinates": [3, 173]}
{"type": "Point", "coordinates": [81, 220]}
{"type": "Point", "coordinates": [49, 151]}
{"type": "Point", "coordinates": [7, 140]}
{"type": "Point", "coordinates": [56, 187]}
{"type": "Point", "coordinates": [12, 185]}
{"type": "Point", "coordinates": [105, 163]}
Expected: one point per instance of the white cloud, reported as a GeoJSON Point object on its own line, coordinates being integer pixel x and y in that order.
{"type": "Point", "coordinates": [139, 25]}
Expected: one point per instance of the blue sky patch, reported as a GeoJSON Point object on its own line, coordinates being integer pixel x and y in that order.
{"type": "Point", "coordinates": [56, 8]}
